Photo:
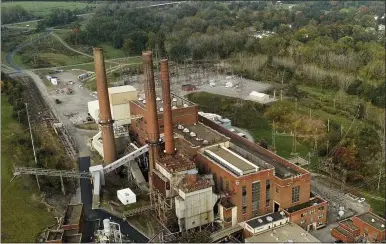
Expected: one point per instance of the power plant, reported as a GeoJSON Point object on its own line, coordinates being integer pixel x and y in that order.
{"type": "Point", "coordinates": [199, 171]}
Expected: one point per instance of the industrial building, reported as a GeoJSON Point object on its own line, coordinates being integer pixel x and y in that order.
{"type": "Point", "coordinates": [361, 228]}
{"type": "Point", "coordinates": [202, 167]}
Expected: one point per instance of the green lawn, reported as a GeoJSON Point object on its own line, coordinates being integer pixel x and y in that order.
{"type": "Point", "coordinates": [3, 57]}
{"type": "Point", "coordinates": [22, 215]}
{"type": "Point", "coordinates": [44, 8]}
{"type": "Point", "coordinates": [31, 24]}
{"type": "Point", "coordinates": [59, 59]}
{"type": "Point", "coordinates": [111, 52]}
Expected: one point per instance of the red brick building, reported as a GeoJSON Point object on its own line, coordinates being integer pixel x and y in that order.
{"type": "Point", "coordinates": [310, 215]}
{"type": "Point", "coordinates": [253, 180]}
{"type": "Point", "coordinates": [367, 226]}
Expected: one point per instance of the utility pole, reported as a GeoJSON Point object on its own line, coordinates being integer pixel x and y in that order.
{"type": "Point", "coordinates": [334, 102]}
{"type": "Point", "coordinates": [282, 78]}
{"type": "Point", "coordinates": [296, 104]}
{"type": "Point", "coordinates": [281, 95]}
{"type": "Point", "coordinates": [328, 125]}
{"type": "Point", "coordinates": [274, 94]}
{"type": "Point", "coordinates": [30, 131]}
{"type": "Point", "coordinates": [310, 113]}
{"type": "Point", "coordinates": [341, 130]}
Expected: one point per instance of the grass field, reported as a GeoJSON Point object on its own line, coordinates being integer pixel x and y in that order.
{"type": "Point", "coordinates": [44, 8]}
{"type": "Point", "coordinates": [22, 216]}
{"type": "Point", "coordinates": [31, 24]}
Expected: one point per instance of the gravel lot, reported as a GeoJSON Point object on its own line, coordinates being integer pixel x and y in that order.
{"type": "Point", "coordinates": [74, 104]}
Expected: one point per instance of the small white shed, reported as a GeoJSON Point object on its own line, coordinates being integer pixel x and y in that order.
{"type": "Point", "coordinates": [54, 81]}
{"type": "Point", "coordinates": [259, 97]}
{"type": "Point", "coordinates": [126, 196]}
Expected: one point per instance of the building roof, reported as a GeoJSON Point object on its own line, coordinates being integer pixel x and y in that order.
{"type": "Point", "coordinates": [203, 133]}
{"type": "Point", "coordinates": [311, 202]}
{"type": "Point", "coordinates": [258, 94]}
{"type": "Point", "coordinates": [177, 101]}
{"type": "Point", "coordinates": [73, 238]}
{"type": "Point", "coordinates": [263, 220]}
{"type": "Point", "coordinates": [176, 163]}
{"type": "Point", "coordinates": [73, 214]}
{"type": "Point", "coordinates": [226, 203]}
{"type": "Point", "coordinates": [284, 234]}
{"type": "Point", "coordinates": [369, 216]}
{"type": "Point", "coordinates": [191, 183]}
{"type": "Point", "coordinates": [349, 223]}
{"type": "Point", "coordinates": [54, 235]}
{"type": "Point", "coordinates": [342, 231]}
{"type": "Point", "coordinates": [121, 89]}
{"type": "Point", "coordinates": [230, 160]}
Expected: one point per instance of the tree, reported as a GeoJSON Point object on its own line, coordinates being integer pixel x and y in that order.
{"type": "Point", "coordinates": [128, 46]}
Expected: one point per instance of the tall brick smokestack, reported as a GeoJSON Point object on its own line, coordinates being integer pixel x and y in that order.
{"type": "Point", "coordinates": [151, 111]}
{"type": "Point", "coordinates": [105, 119]}
{"type": "Point", "coordinates": [168, 119]}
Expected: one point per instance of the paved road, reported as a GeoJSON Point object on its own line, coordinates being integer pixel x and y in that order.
{"type": "Point", "coordinates": [92, 215]}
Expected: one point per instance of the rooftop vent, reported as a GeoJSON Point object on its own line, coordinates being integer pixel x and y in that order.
{"type": "Point", "coordinates": [199, 139]}
{"type": "Point", "coordinates": [373, 220]}
{"type": "Point", "coordinates": [161, 109]}
{"type": "Point", "coordinates": [140, 98]}
{"type": "Point", "coordinates": [174, 107]}
{"type": "Point", "coordinates": [205, 142]}
{"type": "Point", "coordinates": [186, 130]}
{"type": "Point", "coordinates": [192, 134]}
{"type": "Point", "coordinates": [260, 220]}
{"type": "Point", "coordinates": [144, 101]}
{"type": "Point", "coordinates": [186, 105]}
{"type": "Point", "coordinates": [158, 99]}
{"type": "Point", "coordinates": [180, 127]}
{"type": "Point", "coordinates": [314, 204]}
{"type": "Point", "coordinates": [282, 213]}
{"type": "Point", "coordinates": [174, 99]}
{"type": "Point", "coordinates": [382, 226]}
{"type": "Point", "coordinates": [269, 218]}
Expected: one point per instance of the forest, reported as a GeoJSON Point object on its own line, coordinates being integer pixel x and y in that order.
{"type": "Point", "coordinates": [328, 43]}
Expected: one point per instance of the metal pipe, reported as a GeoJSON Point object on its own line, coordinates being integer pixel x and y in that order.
{"type": "Point", "coordinates": [105, 119]}
{"type": "Point", "coordinates": [151, 115]}
{"type": "Point", "coordinates": [168, 118]}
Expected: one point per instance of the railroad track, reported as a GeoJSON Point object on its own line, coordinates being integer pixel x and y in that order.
{"type": "Point", "coordinates": [41, 112]}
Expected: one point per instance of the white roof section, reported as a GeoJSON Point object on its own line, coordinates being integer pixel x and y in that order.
{"type": "Point", "coordinates": [258, 94]}
{"type": "Point", "coordinates": [126, 196]}
{"type": "Point", "coordinates": [121, 89]}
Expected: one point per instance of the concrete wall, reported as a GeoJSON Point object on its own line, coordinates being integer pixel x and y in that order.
{"type": "Point", "coordinates": [122, 97]}
{"type": "Point", "coordinates": [196, 208]}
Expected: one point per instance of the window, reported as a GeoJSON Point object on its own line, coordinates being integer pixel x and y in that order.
{"type": "Point", "coordinates": [221, 183]}
{"type": "Point", "coordinates": [312, 211]}
{"type": "Point", "coordinates": [267, 192]}
{"type": "Point", "coordinates": [193, 223]}
{"type": "Point", "coordinates": [320, 223]}
{"type": "Point", "coordinates": [321, 208]}
{"type": "Point", "coordinates": [320, 216]}
{"type": "Point", "coordinates": [277, 189]}
{"type": "Point", "coordinates": [215, 181]}
{"type": "Point", "coordinates": [161, 126]}
{"type": "Point", "coordinates": [244, 200]}
{"type": "Point", "coordinates": [227, 220]}
{"type": "Point", "coordinates": [227, 186]}
{"type": "Point", "coordinates": [295, 193]}
{"type": "Point", "coordinates": [255, 196]}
